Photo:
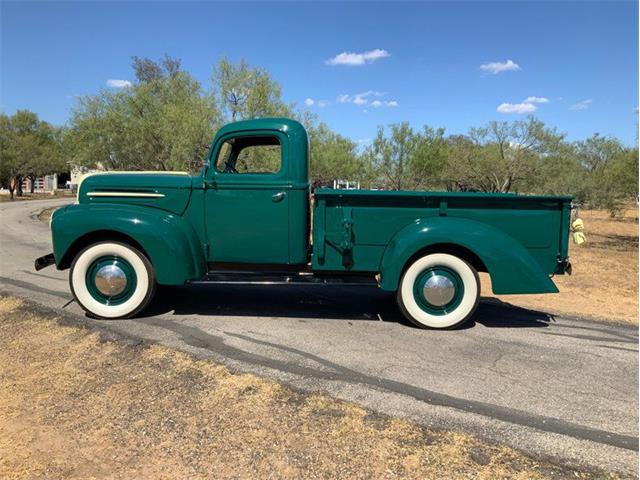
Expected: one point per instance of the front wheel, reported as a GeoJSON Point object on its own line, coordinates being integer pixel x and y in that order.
{"type": "Point", "coordinates": [438, 291]}
{"type": "Point", "coordinates": [112, 280]}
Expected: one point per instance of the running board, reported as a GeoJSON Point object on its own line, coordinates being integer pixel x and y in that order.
{"type": "Point", "coordinates": [282, 278]}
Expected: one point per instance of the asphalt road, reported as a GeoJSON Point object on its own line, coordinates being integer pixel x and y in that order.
{"type": "Point", "coordinates": [559, 388]}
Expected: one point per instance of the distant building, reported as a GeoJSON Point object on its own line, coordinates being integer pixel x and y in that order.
{"type": "Point", "coordinates": [346, 185]}
{"type": "Point", "coordinates": [78, 172]}
{"type": "Point", "coordinates": [45, 184]}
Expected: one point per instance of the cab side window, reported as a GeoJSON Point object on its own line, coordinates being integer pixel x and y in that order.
{"type": "Point", "coordinates": [250, 155]}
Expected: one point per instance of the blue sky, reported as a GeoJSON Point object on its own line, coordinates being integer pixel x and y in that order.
{"type": "Point", "coordinates": [572, 64]}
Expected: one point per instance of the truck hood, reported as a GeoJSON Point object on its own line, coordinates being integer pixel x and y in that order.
{"type": "Point", "coordinates": [165, 190]}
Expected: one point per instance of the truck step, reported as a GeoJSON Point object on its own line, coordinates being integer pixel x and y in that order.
{"type": "Point", "coordinates": [282, 278]}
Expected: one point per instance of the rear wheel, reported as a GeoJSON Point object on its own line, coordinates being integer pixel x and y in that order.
{"type": "Point", "coordinates": [112, 280]}
{"type": "Point", "coordinates": [438, 290]}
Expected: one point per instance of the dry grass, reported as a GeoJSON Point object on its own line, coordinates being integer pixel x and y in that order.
{"type": "Point", "coordinates": [73, 406]}
{"type": "Point", "coordinates": [38, 196]}
{"type": "Point", "coordinates": [45, 215]}
{"type": "Point", "coordinates": [604, 284]}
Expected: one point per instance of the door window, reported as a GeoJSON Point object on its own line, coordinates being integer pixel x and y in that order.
{"type": "Point", "coordinates": [261, 155]}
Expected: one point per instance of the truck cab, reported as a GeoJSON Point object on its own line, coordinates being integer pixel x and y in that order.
{"type": "Point", "coordinates": [247, 218]}
{"type": "Point", "coordinates": [257, 192]}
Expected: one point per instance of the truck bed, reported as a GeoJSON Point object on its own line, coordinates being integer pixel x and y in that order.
{"type": "Point", "coordinates": [352, 228]}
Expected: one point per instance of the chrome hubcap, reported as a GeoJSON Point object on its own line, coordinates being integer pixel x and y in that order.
{"type": "Point", "coordinates": [111, 280]}
{"type": "Point", "coordinates": [439, 290]}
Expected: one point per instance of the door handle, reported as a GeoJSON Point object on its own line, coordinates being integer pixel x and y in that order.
{"type": "Point", "coordinates": [278, 197]}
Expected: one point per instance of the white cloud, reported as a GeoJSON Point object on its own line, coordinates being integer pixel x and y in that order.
{"type": "Point", "coordinates": [536, 100]}
{"type": "Point", "coordinates": [516, 108]}
{"type": "Point", "coordinates": [358, 59]}
{"type": "Point", "coordinates": [389, 103]}
{"type": "Point", "coordinates": [527, 105]}
{"type": "Point", "coordinates": [635, 110]}
{"type": "Point", "coordinates": [582, 105]}
{"type": "Point", "coordinates": [359, 98]}
{"type": "Point", "coordinates": [375, 93]}
{"type": "Point", "coordinates": [310, 102]}
{"type": "Point", "coordinates": [118, 83]}
{"type": "Point", "coordinates": [365, 98]}
{"type": "Point", "coordinates": [499, 67]}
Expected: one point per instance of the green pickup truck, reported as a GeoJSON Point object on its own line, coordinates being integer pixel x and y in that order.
{"type": "Point", "coordinates": [251, 218]}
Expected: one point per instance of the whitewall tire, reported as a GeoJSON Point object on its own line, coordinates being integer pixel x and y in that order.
{"type": "Point", "coordinates": [438, 290]}
{"type": "Point", "coordinates": [112, 280]}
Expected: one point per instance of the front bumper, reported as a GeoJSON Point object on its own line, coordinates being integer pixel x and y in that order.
{"type": "Point", "coordinates": [44, 261]}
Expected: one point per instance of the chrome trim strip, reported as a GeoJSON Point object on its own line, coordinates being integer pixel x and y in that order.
{"type": "Point", "coordinates": [125, 194]}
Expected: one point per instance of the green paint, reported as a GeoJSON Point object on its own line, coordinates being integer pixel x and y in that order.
{"type": "Point", "coordinates": [170, 241]}
{"type": "Point", "coordinates": [518, 238]}
{"type": "Point", "coordinates": [189, 221]}
{"type": "Point", "coordinates": [259, 217]}
{"type": "Point", "coordinates": [175, 190]}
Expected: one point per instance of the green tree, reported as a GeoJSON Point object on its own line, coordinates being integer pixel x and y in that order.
{"type": "Point", "coordinates": [559, 172]}
{"type": "Point", "coordinates": [392, 155]}
{"type": "Point", "coordinates": [624, 171]}
{"type": "Point", "coordinates": [164, 121]}
{"type": "Point", "coordinates": [409, 159]}
{"type": "Point", "coordinates": [29, 148]}
{"type": "Point", "coordinates": [466, 167]}
{"type": "Point", "coordinates": [243, 92]}
{"type": "Point", "coordinates": [611, 172]}
{"type": "Point", "coordinates": [501, 156]}
{"type": "Point", "coordinates": [147, 70]}
{"type": "Point", "coordinates": [614, 183]}
{"type": "Point", "coordinates": [332, 156]}
{"type": "Point", "coordinates": [430, 158]}
{"type": "Point", "coordinates": [597, 151]}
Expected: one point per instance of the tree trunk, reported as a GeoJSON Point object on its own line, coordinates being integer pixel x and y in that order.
{"type": "Point", "coordinates": [506, 186]}
{"type": "Point", "coordinates": [19, 186]}
{"type": "Point", "coordinates": [15, 185]}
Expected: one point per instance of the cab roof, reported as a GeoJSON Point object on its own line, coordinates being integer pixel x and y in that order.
{"type": "Point", "coordinates": [284, 125]}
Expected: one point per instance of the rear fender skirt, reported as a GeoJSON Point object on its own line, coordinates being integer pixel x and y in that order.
{"type": "Point", "coordinates": [511, 267]}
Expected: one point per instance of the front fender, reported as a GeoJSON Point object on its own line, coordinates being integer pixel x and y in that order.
{"type": "Point", "coordinates": [168, 239]}
{"type": "Point", "coordinates": [511, 267]}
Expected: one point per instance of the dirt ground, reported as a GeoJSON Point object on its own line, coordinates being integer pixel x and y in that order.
{"type": "Point", "coordinates": [45, 215]}
{"type": "Point", "coordinates": [604, 283]}
{"type": "Point", "coordinates": [73, 405]}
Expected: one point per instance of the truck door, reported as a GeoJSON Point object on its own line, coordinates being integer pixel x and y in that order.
{"type": "Point", "coordinates": [247, 200]}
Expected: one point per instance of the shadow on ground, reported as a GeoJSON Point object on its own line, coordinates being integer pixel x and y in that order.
{"type": "Point", "coordinates": [325, 303]}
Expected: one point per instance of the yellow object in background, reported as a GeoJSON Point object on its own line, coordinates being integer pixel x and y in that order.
{"type": "Point", "coordinates": [577, 227]}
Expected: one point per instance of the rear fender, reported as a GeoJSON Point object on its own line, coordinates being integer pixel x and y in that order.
{"type": "Point", "coordinates": [511, 267]}
{"type": "Point", "coordinates": [167, 239]}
